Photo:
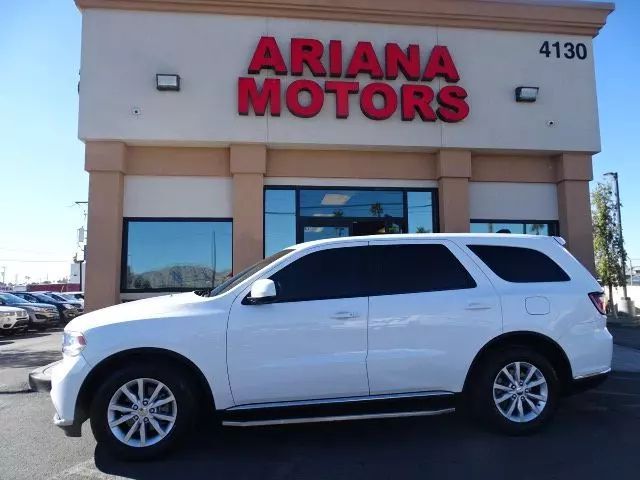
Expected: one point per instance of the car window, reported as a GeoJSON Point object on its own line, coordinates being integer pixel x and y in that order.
{"type": "Point", "coordinates": [246, 273]}
{"type": "Point", "coordinates": [519, 264]}
{"type": "Point", "coordinates": [326, 274]}
{"type": "Point", "coordinates": [413, 268]}
{"type": "Point", "coordinates": [10, 299]}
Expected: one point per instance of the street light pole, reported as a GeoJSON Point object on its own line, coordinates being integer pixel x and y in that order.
{"type": "Point", "coordinates": [626, 304]}
{"type": "Point", "coordinates": [622, 259]}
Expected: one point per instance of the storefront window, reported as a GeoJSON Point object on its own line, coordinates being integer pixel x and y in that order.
{"type": "Point", "coordinates": [302, 214]}
{"type": "Point", "coordinates": [176, 254]}
{"type": "Point", "coordinates": [351, 203]}
{"type": "Point", "coordinates": [279, 220]}
{"type": "Point", "coordinates": [420, 212]}
{"type": "Point", "coordinates": [511, 226]}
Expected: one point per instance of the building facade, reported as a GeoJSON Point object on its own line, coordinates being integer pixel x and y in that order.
{"type": "Point", "coordinates": [220, 131]}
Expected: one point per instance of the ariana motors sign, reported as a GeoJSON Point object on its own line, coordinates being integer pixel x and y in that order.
{"type": "Point", "coordinates": [336, 81]}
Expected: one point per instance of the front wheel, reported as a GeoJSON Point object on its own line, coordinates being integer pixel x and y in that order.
{"type": "Point", "coordinates": [142, 411]}
{"type": "Point", "coordinates": [515, 391]}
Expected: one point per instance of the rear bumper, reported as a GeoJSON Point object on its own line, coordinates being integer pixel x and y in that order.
{"type": "Point", "coordinates": [588, 382]}
{"type": "Point", "coordinates": [589, 348]}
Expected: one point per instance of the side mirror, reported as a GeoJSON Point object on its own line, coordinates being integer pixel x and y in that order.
{"type": "Point", "coordinates": [262, 291]}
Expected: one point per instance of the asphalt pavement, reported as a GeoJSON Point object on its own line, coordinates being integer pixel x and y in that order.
{"type": "Point", "coordinates": [594, 435]}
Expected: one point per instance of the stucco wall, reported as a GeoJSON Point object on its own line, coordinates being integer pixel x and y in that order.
{"type": "Point", "coordinates": [123, 50]}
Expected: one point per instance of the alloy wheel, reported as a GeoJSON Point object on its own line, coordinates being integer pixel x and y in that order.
{"type": "Point", "coordinates": [520, 392]}
{"type": "Point", "coordinates": [142, 412]}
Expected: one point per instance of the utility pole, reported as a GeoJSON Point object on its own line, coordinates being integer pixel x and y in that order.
{"type": "Point", "coordinates": [4, 271]}
{"type": "Point", "coordinates": [626, 304]}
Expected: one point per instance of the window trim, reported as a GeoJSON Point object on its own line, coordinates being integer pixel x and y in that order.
{"type": "Point", "coordinates": [435, 207]}
{"type": "Point", "coordinates": [554, 225]}
{"type": "Point", "coordinates": [369, 270]}
{"type": "Point", "coordinates": [568, 278]}
{"type": "Point", "coordinates": [125, 248]}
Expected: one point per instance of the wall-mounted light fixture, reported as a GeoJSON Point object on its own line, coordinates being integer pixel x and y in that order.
{"type": "Point", "coordinates": [168, 82]}
{"type": "Point", "coordinates": [527, 94]}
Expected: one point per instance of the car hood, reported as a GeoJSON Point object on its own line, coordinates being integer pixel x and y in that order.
{"type": "Point", "coordinates": [156, 307]}
{"type": "Point", "coordinates": [5, 309]}
{"type": "Point", "coordinates": [26, 305]}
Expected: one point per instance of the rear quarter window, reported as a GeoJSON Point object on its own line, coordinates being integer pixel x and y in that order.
{"type": "Point", "coordinates": [519, 264]}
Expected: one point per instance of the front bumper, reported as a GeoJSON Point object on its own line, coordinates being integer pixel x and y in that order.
{"type": "Point", "coordinates": [44, 318]}
{"type": "Point", "coordinates": [10, 324]}
{"type": "Point", "coordinates": [69, 314]}
{"type": "Point", "coordinates": [66, 379]}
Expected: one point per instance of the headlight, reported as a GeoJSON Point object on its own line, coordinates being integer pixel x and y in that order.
{"type": "Point", "coordinates": [7, 314]}
{"type": "Point", "coordinates": [73, 343]}
{"type": "Point", "coordinates": [68, 305]}
{"type": "Point", "coordinates": [38, 309]}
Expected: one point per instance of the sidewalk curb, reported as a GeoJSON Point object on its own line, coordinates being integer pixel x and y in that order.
{"type": "Point", "coordinates": [40, 378]}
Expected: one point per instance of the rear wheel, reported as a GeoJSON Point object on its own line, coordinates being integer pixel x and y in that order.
{"type": "Point", "coordinates": [142, 411]}
{"type": "Point", "coordinates": [515, 391]}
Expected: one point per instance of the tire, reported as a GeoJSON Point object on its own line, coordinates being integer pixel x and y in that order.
{"type": "Point", "coordinates": [500, 409]}
{"type": "Point", "coordinates": [171, 381]}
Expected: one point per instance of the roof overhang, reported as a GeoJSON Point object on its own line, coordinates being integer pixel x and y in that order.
{"type": "Point", "coordinates": [553, 16]}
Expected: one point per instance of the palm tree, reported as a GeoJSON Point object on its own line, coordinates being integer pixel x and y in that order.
{"type": "Point", "coordinates": [377, 209]}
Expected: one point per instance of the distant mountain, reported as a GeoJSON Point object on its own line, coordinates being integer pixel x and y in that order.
{"type": "Point", "coordinates": [176, 276]}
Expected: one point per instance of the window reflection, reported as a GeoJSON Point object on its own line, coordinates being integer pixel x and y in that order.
{"type": "Point", "coordinates": [538, 228]}
{"type": "Point", "coordinates": [491, 227]}
{"type": "Point", "coordinates": [279, 220]}
{"type": "Point", "coordinates": [351, 203]}
{"type": "Point", "coordinates": [177, 255]}
{"type": "Point", "coordinates": [420, 212]}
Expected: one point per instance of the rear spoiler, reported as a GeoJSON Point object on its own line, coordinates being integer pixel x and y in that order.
{"type": "Point", "coordinates": [560, 240]}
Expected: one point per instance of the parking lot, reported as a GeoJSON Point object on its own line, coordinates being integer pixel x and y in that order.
{"type": "Point", "coordinates": [594, 435]}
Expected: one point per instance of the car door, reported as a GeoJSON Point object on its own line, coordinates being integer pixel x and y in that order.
{"type": "Point", "coordinates": [431, 311]}
{"type": "Point", "coordinates": [311, 341]}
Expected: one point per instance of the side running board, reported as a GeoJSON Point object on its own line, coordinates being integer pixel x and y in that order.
{"type": "Point", "coordinates": [335, 418]}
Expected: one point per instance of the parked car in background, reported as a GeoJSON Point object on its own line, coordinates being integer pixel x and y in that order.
{"type": "Point", "coordinates": [63, 297]}
{"type": "Point", "coordinates": [77, 295]}
{"type": "Point", "coordinates": [41, 315]}
{"type": "Point", "coordinates": [66, 309]}
{"type": "Point", "coordinates": [343, 329]}
{"type": "Point", "coordinates": [13, 320]}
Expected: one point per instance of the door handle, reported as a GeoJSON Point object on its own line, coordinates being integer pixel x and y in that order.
{"type": "Point", "coordinates": [478, 306]}
{"type": "Point", "coordinates": [344, 315]}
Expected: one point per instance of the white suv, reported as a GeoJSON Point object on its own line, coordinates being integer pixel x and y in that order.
{"type": "Point", "coordinates": [343, 329]}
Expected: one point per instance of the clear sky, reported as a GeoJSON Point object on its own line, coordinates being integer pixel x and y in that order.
{"type": "Point", "coordinates": [41, 159]}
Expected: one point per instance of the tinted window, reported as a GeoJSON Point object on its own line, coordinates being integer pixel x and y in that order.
{"type": "Point", "coordinates": [247, 272]}
{"type": "Point", "coordinates": [334, 273]}
{"type": "Point", "coordinates": [174, 255]}
{"type": "Point", "coordinates": [416, 268]}
{"type": "Point", "coordinates": [520, 265]}
{"type": "Point", "coordinates": [351, 203]}
{"type": "Point", "coordinates": [279, 220]}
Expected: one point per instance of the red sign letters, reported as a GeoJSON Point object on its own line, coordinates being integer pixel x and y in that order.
{"type": "Point", "coordinates": [379, 100]}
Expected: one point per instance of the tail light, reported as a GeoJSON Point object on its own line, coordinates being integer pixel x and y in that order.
{"type": "Point", "coordinates": [597, 298]}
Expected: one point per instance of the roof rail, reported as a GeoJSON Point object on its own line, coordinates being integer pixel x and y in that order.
{"type": "Point", "coordinates": [560, 240]}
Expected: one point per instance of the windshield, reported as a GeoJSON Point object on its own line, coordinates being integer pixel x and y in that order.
{"type": "Point", "coordinates": [10, 299]}
{"type": "Point", "coordinates": [56, 296]}
{"type": "Point", "coordinates": [41, 297]}
{"type": "Point", "coordinates": [243, 275]}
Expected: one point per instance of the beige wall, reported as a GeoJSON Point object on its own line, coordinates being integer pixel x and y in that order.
{"type": "Point", "coordinates": [123, 50]}
{"type": "Point", "coordinates": [232, 181]}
